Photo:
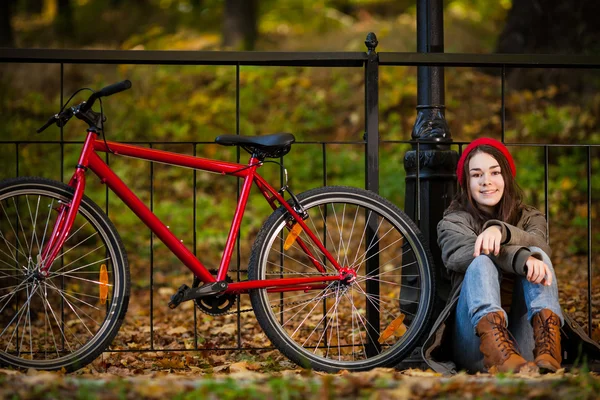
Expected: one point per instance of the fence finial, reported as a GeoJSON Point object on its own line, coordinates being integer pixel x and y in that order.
{"type": "Point", "coordinates": [371, 42]}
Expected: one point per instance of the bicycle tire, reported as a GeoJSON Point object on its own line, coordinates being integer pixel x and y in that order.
{"type": "Point", "coordinates": [327, 338]}
{"type": "Point", "coordinates": [65, 320]}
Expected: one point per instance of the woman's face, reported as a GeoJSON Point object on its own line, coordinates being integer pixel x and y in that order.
{"type": "Point", "coordinates": [485, 181]}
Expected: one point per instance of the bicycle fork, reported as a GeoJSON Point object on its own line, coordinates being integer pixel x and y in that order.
{"type": "Point", "coordinates": [67, 211]}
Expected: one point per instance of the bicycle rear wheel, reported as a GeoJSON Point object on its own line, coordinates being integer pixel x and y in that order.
{"type": "Point", "coordinates": [377, 319]}
{"type": "Point", "coordinates": [66, 319]}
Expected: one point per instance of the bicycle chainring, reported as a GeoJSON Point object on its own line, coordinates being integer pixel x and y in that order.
{"type": "Point", "coordinates": [216, 304]}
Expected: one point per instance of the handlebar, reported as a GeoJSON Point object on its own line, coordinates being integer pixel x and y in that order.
{"type": "Point", "coordinates": [105, 92]}
{"type": "Point", "coordinates": [84, 110]}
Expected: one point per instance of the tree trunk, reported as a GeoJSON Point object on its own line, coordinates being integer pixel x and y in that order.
{"type": "Point", "coordinates": [34, 6]}
{"type": "Point", "coordinates": [550, 27]}
{"type": "Point", "coordinates": [63, 23]}
{"type": "Point", "coordinates": [240, 24]}
{"type": "Point", "coordinates": [6, 31]}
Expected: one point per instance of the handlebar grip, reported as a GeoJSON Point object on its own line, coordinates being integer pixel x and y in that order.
{"type": "Point", "coordinates": [106, 91]}
{"type": "Point", "coordinates": [47, 124]}
{"type": "Point", "coordinates": [114, 88]}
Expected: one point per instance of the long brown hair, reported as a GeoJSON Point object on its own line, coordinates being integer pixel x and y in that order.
{"type": "Point", "coordinates": [509, 207]}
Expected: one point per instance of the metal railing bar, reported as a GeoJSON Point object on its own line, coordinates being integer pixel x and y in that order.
{"type": "Point", "coordinates": [109, 350]}
{"type": "Point", "coordinates": [503, 99]}
{"type": "Point", "coordinates": [456, 143]}
{"type": "Point", "coordinates": [189, 142]}
{"type": "Point", "coordinates": [490, 60]}
{"type": "Point", "coordinates": [169, 57]}
{"type": "Point", "coordinates": [62, 133]}
{"type": "Point", "coordinates": [238, 255]}
{"type": "Point", "coordinates": [546, 189]}
{"type": "Point", "coordinates": [325, 59]}
{"type": "Point", "coordinates": [195, 241]}
{"type": "Point", "coordinates": [151, 258]}
{"type": "Point", "coordinates": [589, 237]}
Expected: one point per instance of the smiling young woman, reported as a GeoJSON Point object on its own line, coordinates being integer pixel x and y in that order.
{"type": "Point", "coordinates": [504, 288]}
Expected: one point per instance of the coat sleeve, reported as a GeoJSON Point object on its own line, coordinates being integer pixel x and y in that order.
{"type": "Point", "coordinates": [457, 241]}
{"type": "Point", "coordinates": [532, 234]}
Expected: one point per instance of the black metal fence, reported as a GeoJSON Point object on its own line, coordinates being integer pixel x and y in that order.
{"type": "Point", "coordinates": [370, 145]}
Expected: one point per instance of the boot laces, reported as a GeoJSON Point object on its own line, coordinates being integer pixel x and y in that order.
{"type": "Point", "coordinates": [503, 337]}
{"type": "Point", "coordinates": [545, 338]}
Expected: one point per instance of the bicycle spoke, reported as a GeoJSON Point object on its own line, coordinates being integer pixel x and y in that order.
{"type": "Point", "coordinates": [75, 246]}
{"type": "Point", "coordinates": [364, 322]}
{"type": "Point", "coordinates": [72, 307]}
{"type": "Point", "coordinates": [362, 237]}
{"type": "Point", "coordinates": [87, 265]}
{"type": "Point", "coordinates": [50, 208]}
{"type": "Point", "coordinates": [65, 293]}
{"type": "Point", "coordinates": [58, 324]}
{"type": "Point", "coordinates": [48, 322]}
{"type": "Point", "coordinates": [86, 280]}
{"type": "Point", "coordinates": [13, 230]}
{"type": "Point", "coordinates": [307, 315]}
{"type": "Point", "coordinates": [305, 304]}
{"type": "Point", "coordinates": [339, 228]}
{"type": "Point", "coordinates": [33, 223]}
{"type": "Point", "coordinates": [351, 235]}
{"type": "Point", "coordinates": [28, 318]}
{"type": "Point", "coordinates": [12, 294]}
{"type": "Point", "coordinates": [21, 225]}
{"type": "Point", "coordinates": [19, 314]}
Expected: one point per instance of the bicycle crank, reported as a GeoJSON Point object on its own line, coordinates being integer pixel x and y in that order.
{"type": "Point", "coordinates": [186, 293]}
{"type": "Point", "coordinates": [218, 304]}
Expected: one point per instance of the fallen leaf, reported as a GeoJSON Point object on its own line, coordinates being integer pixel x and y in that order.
{"type": "Point", "coordinates": [177, 330]}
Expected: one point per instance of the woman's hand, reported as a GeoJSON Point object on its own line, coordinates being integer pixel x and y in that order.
{"type": "Point", "coordinates": [538, 271]}
{"type": "Point", "coordinates": [488, 241]}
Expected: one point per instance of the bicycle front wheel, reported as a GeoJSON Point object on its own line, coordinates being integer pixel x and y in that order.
{"type": "Point", "coordinates": [373, 320]}
{"type": "Point", "coordinates": [66, 319]}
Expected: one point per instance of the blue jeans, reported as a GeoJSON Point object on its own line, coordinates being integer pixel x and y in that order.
{"type": "Point", "coordinates": [480, 295]}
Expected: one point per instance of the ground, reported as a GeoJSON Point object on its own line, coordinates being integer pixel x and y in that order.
{"type": "Point", "coordinates": [246, 380]}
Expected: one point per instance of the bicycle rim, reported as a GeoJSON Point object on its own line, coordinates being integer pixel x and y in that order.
{"type": "Point", "coordinates": [65, 319]}
{"type": "Point", "coordinates": [376, 319]}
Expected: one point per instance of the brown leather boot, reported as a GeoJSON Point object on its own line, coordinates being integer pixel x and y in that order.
{"type": "Point", "coordinates": [546, 331]}
{"type": "Point", "coordinates": [500, 353]}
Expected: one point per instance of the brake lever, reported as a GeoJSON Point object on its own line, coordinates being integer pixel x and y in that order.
{"type": "Point", "coordinates": [64, 117]}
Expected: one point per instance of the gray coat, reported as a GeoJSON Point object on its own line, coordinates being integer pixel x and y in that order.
{"type": "Point", "coordinates": [456, 238]}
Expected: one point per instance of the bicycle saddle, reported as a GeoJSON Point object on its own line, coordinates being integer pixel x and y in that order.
{"type": "Point", "coordinates": [271, 146]}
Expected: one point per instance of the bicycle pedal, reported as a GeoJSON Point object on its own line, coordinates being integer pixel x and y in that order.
{"type": "Point", "coordinates": [179, 296]}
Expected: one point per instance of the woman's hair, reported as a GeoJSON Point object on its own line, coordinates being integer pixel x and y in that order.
{"type": "Point", "coordinates": [509, 207]}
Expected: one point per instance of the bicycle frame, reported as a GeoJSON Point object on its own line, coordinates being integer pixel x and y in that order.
{"type": "Point", "coordinates": [90, 159]}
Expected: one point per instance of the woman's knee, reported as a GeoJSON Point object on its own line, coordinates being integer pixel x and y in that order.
{"type": "Point", "coordinates": [482, 265]}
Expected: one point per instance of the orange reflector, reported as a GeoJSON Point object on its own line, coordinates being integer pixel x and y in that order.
{"type": "Point", "coordinates": [103, 284]}
{"type": "Point", "coordinates": [292, 236]}
{"type": "Point", "coordinates": [396, 328]}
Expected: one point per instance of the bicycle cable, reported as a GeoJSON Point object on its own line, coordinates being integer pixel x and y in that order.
{"type": "Point", "coordinates": [73, 95]}
{"type": "Point", "coordinates": [108, 149]}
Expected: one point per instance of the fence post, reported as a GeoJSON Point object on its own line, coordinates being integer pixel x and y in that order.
{"type": "Point", "coordinates": [372, 183]}
{"type": "Point", "coordinates": [430, 181]}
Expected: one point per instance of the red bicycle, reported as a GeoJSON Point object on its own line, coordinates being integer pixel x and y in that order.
{"type": "Point", "coordinates": [339, 278]}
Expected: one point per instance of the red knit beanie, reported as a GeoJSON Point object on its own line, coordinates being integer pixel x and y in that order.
{"type": "Point", "coordinates": [483, 142]}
